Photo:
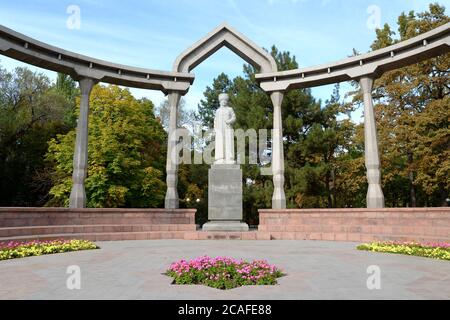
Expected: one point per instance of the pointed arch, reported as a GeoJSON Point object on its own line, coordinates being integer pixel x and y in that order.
{"type": "Point", "coordinates": [225, 36]}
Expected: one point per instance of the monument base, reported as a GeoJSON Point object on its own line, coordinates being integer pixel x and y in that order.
{"type": "Point", "coordinates": [225, 226]}
{"type": "Point", "coordinates": [225, 199]}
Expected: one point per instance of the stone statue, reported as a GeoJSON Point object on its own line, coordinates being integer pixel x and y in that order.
{"type": "Point", "coordinates": [223, 121]}
{"type": "Point", "coordinates": [225, 210]}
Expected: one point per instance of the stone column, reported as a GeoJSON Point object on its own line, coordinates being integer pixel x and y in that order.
{"type": "Point", "coordinates": [172, 201]}
{"type": "Point", "coordinates": [80, 157]}
{"type": "Point", "coordinates": [278, 198]}
{"type": "Point", "coordinates": [375, 197]}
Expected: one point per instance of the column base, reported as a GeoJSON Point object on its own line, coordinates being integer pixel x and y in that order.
{"type": "Point", "coordinates": [171, 203]}
{"type": "Point", "coordinates": [77, 197]}
{"type": "Point", "coordinates": [278, 203]}
{"type": "Point", "coordinates": [236, 226]}
{"type": "Point", "coordinates": [375, 197]}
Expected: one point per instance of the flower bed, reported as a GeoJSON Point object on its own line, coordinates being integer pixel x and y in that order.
{"type": "Point", "coordinates": [439, 251]}
{"type": "Point", "coordinates": [13, 249]}
{"type": "Point", "coordinates": [223, 272]}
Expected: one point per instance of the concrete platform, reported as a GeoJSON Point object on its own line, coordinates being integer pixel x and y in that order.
{"type": "Point", "coordinates": [134, 270]}
{"type": "Point", "coordinates": [227, 226]}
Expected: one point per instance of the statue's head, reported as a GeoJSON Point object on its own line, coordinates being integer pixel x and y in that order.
{"type": "Point", "coordinates": [224, 99]}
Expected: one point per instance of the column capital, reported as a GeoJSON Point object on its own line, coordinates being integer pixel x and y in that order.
{"type": "Point", "coordinates": [366, 84]}
{"type": "Point", "coordinates": [174, 98]}
{"type": "Point", "coordinates": [277, 98]}
{"type": "Point", "coordinates": [86, 85]}
{"type": "Point", "coordinates": [169, 92]}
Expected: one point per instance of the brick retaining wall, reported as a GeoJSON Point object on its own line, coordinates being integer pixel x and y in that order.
{"type": "Point", "coordinates": [359, 225]}
{"type": "Point", "coordinates": [95, 224]}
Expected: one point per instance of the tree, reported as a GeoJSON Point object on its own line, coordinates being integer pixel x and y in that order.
{"type": "Point", "coordinates": [32, 111]}
{"type": "Point", "coordinates": [253, 110]}
{"type": "Point", "coordinates": [413, 141]}
{"type": "Point", "coordinates": [185, 118]}
{"type": "Point", "coordinates": [68, 88]}
{"type": "Point", "coordinates": [207, 107]}
{"type": "Point", "coordinates": [126, 153]}
{"type": "Point", "coordinates": [193, 189]}
{"type": "Point", "coordinates": [323, 146]}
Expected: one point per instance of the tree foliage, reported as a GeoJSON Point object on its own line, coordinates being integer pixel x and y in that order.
{"type": "Point", "coordinates": [313, 138]}
{"type": "Point", "coordinates": [412, 106]}
{"type": "Point", "coordinates": [32, 111]}
{"type": "Point", "coordinates": [323, 147]}
{"type": "Point", "coordinates": [126, 153]}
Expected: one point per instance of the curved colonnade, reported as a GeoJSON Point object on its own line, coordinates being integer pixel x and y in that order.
{"type": "Point", "coordinates": [363, 68]}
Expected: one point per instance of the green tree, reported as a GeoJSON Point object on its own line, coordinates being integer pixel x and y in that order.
{"type": "Point", "coordinates": [253, 110]}
{"type": "Point", "coordinates": [192, 178]}
{"type": "Point", "coordinates": [68, 88]}
{"type": "Point", "coordinates": [322, 146]}
{"type": "Point", "coordinates": [413, 141]}
{"type": "Point", "coordinates": [208, 106]}
{"type": "Point", "coordinates": [126, 153]}
{"type": "Point", "coordinates": [185, 118]}
{"type": "Point", "coordinates": [193, 189]}
{"type": "Point", "coordinates": [32, 111]}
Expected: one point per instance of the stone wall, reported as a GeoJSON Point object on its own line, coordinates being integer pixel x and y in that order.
{"type": "Point", "coordinates": [355, 225]}
{"type": "Point", "coordinates": [359, 225]}
{"type": "Point", "coordinates": [95, 224]}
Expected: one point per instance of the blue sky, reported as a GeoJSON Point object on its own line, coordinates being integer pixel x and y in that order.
{"type": "Point", "coordinates": [151, 33]}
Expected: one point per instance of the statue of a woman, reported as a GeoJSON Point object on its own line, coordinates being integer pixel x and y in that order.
{"type": "Point", "coordinates": [223, 122]}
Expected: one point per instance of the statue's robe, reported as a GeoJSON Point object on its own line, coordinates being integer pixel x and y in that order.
{"type": "Point", "coordinates": [224, 148]}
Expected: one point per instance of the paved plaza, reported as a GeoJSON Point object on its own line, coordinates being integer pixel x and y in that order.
{"type": "Point", "coordinates": [315, 270]}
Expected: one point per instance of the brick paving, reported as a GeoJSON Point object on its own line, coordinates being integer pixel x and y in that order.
{"type": "Point", "coordinates": [134, 270]}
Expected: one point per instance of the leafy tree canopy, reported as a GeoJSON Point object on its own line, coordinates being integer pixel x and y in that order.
{"type": "Point", "coordinates": [126, 153]}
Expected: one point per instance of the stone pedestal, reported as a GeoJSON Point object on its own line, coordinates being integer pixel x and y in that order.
{"type": "Point", "coordinates": [225, 199]}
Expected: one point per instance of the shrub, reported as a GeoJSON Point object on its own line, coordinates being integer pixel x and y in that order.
{"type": "Point", "coordinates": [439, 251]}
{"type": "Point", "coordinates": [224, 272]}
{"type": "Point", "coordinates": [13, 249]}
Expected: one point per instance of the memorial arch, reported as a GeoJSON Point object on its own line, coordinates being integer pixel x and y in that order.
{"type": "Point", "coordinates": [225, 36]}
{"type": "Point", "coordinates": [363, 68]}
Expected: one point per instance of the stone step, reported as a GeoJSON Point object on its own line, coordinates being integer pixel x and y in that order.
{"type": "Point", "coordinates": [222, 235]}
{"type": "Point", "coordinates": [58, 221]}
{"type": "Point", "coordinates": [250, 235]}
{"type": "Point", "coordinates": [151, 235]}
{"type": "Point", "coordinates": [115, 236]}
{"type": "Point", "coordinates": [443, 232]}
{"type": "Point", "coordinates": [443, 221]}
{"type": "Point", "coordinates": [68, 229]}
{"type": "Point", "coordinates": [347, 237]}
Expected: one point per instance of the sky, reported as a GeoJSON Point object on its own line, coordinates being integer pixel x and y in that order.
{"type": "Point", "coordinates": [152, 33]}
